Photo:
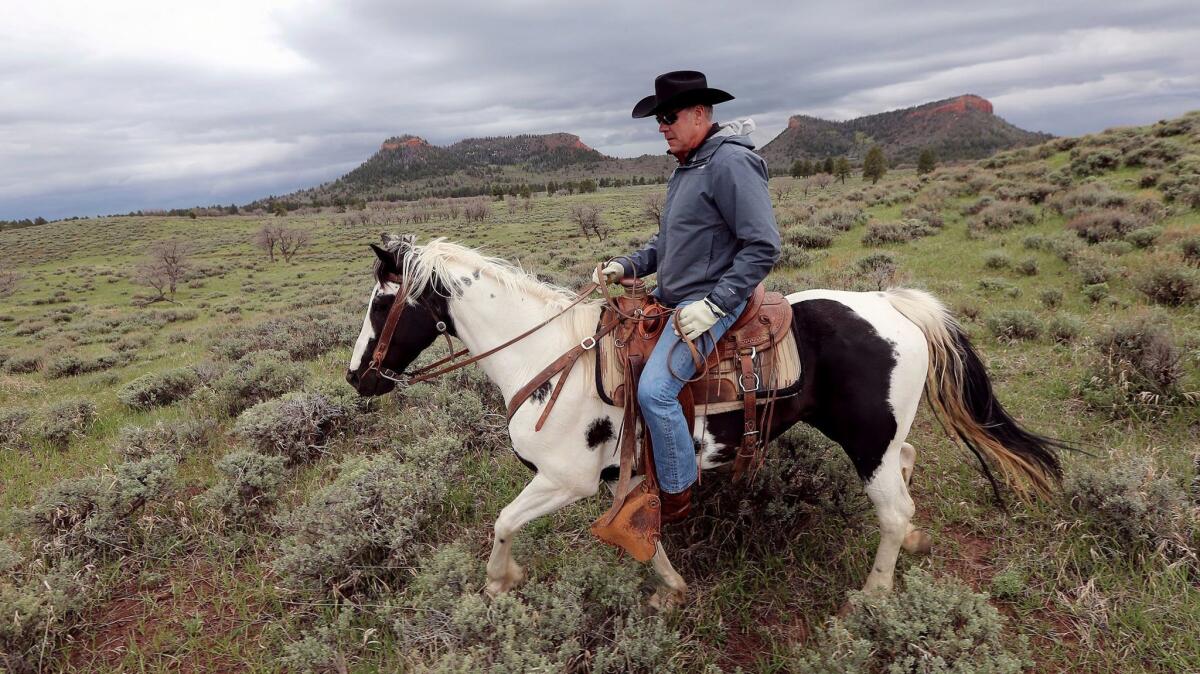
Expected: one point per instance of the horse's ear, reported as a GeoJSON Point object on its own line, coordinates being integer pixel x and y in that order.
{"type": "Point", "coordinates": [386, 258]}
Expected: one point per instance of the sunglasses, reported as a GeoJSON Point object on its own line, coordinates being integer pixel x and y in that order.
{"type": "Point", "coordinates": [668, 119]}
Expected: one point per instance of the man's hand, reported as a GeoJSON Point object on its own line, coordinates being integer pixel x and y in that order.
{"type": "Point", "coordinates": [696, 318]}
{"type": "Point", "coordinates": [612, 273]}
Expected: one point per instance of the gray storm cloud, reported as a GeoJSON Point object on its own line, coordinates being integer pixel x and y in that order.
{"type": "Point", "coordinates": [132, 106]}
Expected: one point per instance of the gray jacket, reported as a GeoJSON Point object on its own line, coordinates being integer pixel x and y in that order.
{"type": "Point", "coordinates": [718, 236]}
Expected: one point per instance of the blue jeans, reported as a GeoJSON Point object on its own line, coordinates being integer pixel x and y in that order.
{"type": "Point", "coordinates": [658, 391]}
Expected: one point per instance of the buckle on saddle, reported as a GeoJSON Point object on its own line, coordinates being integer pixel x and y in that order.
{"type": "Point", "coordinates": [742, 377]}
{"type": "Point", "coordinates": [742, 381]}
{"type": "Point", "coordinates": [585, 344]}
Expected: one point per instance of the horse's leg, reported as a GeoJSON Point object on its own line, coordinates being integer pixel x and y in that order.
{"type": "Point", "coordinates": [915, 541]}
{"type": "Point", "coordinates": [888, 490]}
{"type": "Point", "coordinates": [672, 590]}
{"type": "Point", "coordinates": [541, 496]}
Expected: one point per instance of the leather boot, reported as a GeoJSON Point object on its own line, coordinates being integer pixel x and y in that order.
{"type": "Point", "coordinates": [675, 507]}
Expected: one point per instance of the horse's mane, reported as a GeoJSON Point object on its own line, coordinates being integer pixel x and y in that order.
{"type": "Point", "coordinates": [422, 265]}
{"type": "Point", "coordinates": [428, 265]}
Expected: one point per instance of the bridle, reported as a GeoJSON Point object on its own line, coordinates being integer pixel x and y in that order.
{"type": "Point", "coordinates": [431, 371]}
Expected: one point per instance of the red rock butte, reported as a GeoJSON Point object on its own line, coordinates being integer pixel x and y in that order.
{"type": "Point", "coordinates": [956, 106]}
{"type": "Point", "coordinates": [396, 144]}
{"type": "Point", "coordinates": [557, 140]}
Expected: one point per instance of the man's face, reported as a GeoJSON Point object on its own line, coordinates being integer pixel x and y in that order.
{"type": "Point", "coordinates": [687, 131]}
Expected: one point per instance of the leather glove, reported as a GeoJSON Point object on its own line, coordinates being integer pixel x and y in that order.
{"type": "Point", "coordinates": [612, 273]}
{"type": "Point", "coordinates": [696, 318]}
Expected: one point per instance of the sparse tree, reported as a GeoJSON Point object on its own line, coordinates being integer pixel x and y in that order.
{"type": "Point", "coordinates": [511, 202]}
{"type": "Point", "coordinates": [291, 240]}
{"type": "Point", "coordinates": [527, 200]}
{"type": "Point", "coordinates": [478, 210]}
{"type": "Point", "coordinates": [822, 180]}
{"type": "Point", "coordinates": [781, 189]}
{"type": "Point", "coordinates": [926, 162]}
{"type": "Point", "coordinates": [842, 169]}
{"type": "Point", "coordinates": [652, 206]}
{"type": "Point", "coordinates": [8, 282]}
{"type": "Point", "coordinates": [267, 237]}
{"type": "Point", "coordinates": [453, 209]}
{"type": "Point", "coordinates": [874, 165]}
{"type": "Point", "coordinates": [587, 217]}
{"type": "Point", "coordinates": [166, 265]}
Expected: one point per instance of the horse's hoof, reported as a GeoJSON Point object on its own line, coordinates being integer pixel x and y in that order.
{"type": "Point", "coordinates": [499, 586]}
{"type": "Point", "coordinates": [917, 542]}
{"type": "Point", "coordinates": [665, 600]}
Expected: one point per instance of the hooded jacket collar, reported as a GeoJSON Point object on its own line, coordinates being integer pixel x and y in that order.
{"type": "Point", "coordinates": [738, 131]}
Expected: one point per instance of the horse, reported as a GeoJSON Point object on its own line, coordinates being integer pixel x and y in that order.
{"type": "Point", "coordinates": [866, 357]}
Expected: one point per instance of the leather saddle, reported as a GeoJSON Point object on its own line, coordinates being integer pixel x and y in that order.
{"type": "Point", "coordinates": [763, 330]}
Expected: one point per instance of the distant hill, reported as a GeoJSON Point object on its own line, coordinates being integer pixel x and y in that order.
{"type": "Point", "coordinates": [408, 167]}
{"type": "Point", "coordinates": [964, 127]}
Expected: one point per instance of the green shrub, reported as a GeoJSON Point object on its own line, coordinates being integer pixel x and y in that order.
{"type": "Point", "coordinates": [1190, 248]}
{"type": "Point", "coordinates": [248, 487]}
{"type": "Point", "coordinates": [809, 237]}
{"type": "Point", "coordinates": [879, 268]}
{"type": "Point", "coordinates": [1028, 266]}
{"type": "Point", "coordinates": [1136, 507]}
{"type": "Point", "coordinates": [977, 206]}
{"type": "Point", "coordinates": [795, 256]}
{"type": "Point", "coordinates": [22, 364]}
{"type": "Point", "coordinates": [1014, 324]}
{"type": "Point", "coordinates": [930, 627]}
{"type": "Point", "coordinates": [926, 212]}
{"type": "Point", "coordinates": [295, 426]}
{"type": "Point", "coordinates": [1172, 286]}
{"type": "Point", "coordinates": [1114, 248]}
{"type": "Point", "coordinates": [1096, 292]}
{"type": "Point", "coordinates": [101, 514]}
{"type": "Point", "coordinates": [1094, 161]}
{"type": "Point", "coordinates": [159, 388]}
{"type": "Point", "coordinates": [592, 615]}
{"type": "Point", "coordinates": [1035, 242]}
{"type": "Point", "coordinates": [14, 423]}
{"type": "Point", "coordinates": [1050, 297]}
{"type": "Point", "coordinates": [998, 285]}
{"type": "Point", "coordinates": [67, 419]}
{"type": "Point", "coordinates": [1064, 328]}
{"type": "Point", "coordinates": [1002, 216]}
{"type": "Point", "coordinates": [1092, 196]}
{"type": "Point", "coordinates": [256, 377]}
{"type": "Point", "coordinates": [360, 532]}
{"type": "Point", "coordinates": [303, 336]}
{"type": "Point", "coordinates": [39, 604]}
{"type": "Point", "coordinates": [1144, 237]}
{"type": "Point", "coordinates": [1140, 356]}
{"type": "Point", "coordinates": [1093, 270]}
{"type": "Point", "coordinates": [838, 218]}
{"type": "Point", "coordinates": [1106, 225]}
{"type": "Point", "coordinates": [881, 233]}
{"type": "Point", "coordinates": [176, 438]}
{"type": "Point", "coordinates": [996, 259]}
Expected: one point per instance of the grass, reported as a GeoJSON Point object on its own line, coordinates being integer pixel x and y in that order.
{"type": "Point", "coordinates": [211, 600]}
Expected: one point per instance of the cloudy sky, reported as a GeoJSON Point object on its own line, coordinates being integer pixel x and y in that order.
{"type": "Point", "coordinates": [125, 104]}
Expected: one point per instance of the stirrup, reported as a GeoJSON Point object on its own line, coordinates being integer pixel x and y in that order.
{"type": "Point", "coordinates": [636, 527]}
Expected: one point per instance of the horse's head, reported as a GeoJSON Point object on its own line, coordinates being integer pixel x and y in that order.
{"type": "Point", "coordinates": [425, 317]}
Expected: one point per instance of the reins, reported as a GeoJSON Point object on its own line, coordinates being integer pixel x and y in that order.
{"type": "Point", "coordinates": [431, 371]}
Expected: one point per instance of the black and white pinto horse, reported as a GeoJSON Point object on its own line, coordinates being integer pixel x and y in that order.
{"type": "Point", "coordinates": [866, 358]}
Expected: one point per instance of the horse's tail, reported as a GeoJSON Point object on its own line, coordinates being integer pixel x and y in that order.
{"type": "Point", "coordinates": [960, 393]}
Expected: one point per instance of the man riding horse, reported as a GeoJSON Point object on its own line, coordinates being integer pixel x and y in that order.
{"type": "Point", "coordinates": [717, 240]}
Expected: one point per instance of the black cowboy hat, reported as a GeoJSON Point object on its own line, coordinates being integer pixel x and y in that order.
{"type": "Point", "coordinates": [679, 89]}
